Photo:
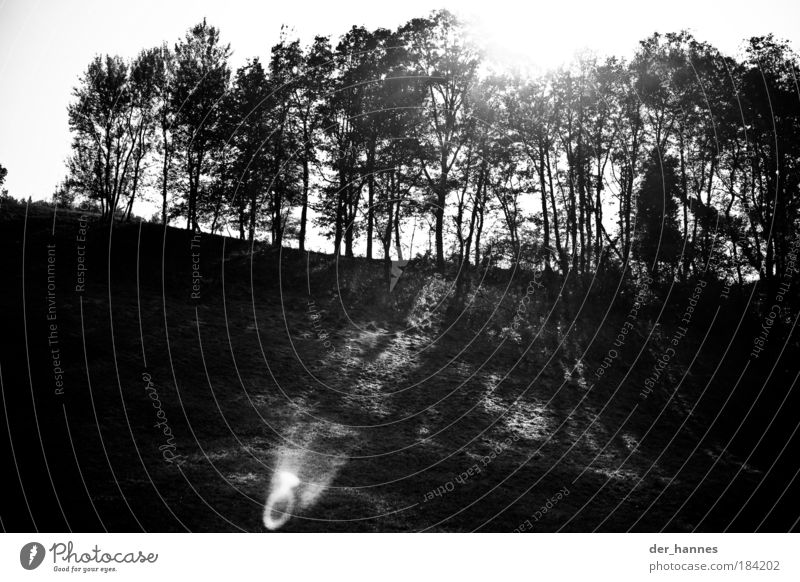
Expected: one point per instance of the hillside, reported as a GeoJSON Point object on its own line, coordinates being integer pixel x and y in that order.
{"type": "Point", "coordinates": [450, 404]}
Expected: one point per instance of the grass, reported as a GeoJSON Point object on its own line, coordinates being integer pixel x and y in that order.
{"type": "Point", "coordinates": [384, 424]}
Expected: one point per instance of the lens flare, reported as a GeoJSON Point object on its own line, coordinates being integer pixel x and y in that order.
{"type": "Point", "coordinates": [281, 500]}
{"type": "Point", "coordinates": [301, 475]}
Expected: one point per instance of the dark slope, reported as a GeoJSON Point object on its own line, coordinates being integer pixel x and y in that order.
{"type": "Point", "coordinates": [426, 408]}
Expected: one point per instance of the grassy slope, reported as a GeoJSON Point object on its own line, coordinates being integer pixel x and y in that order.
{"type": "Point", "coordinates": [243, 400]}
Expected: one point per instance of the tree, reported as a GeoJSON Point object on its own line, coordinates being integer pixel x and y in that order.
{"type": "Point", "coordinates": [347, 143]}
{"type": "Point", "coordinates": [201, 79]}
{"type": "Point", "coordinates": [247, 120]}
{"type": "Point", "coordinates": [681, 158]}
{"type": "Point", "coordinates": [284, 143]}
{"type": "Point", "coordinates": [442, 53]}
{"type": "Point", "coordinates": [107, 122]}
{"type": "Point", "coordinates": [770, 194]}
{"type": "Point", "coordinates": [3, 174]}
{"type": "Point", "coordinates": [395, 168]}
{"type": "Point", "coordinates": [163, 86]}
{"type": "Point", "coordinates": [657, 238]}
{"type": "Point", "coordinates": [142, 122]}
{"type": "Point", "coordinates": [308, 92]}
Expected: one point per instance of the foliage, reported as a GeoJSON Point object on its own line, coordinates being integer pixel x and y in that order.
{"type": "Point", "coordinates": [679, 158]}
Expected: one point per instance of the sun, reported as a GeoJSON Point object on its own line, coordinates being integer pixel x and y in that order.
{"type": "Point", "coordinates": [533, 37]}
{"type": "Point", "coordinates": [522, 36]}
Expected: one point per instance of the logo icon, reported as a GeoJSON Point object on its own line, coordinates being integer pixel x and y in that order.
{"type": "Point", "coordinates": [31, 555]}
{"type": "Point", "coordinates": [397, 269]}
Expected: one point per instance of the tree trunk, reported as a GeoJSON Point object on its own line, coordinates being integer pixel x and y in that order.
{"type": "Point", "coordinates": [304, 200]}
{"type": "Point", "coordinates": [370, 196]}
{"type": "Point", "coordinates": [441, 197]}
{"type": "Point", "coordinates": [164, 173]}
{"type": "Point", "coordinates": [251, 227]}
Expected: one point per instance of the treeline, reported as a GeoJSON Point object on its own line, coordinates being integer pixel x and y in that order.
{"type": "Point", "coordinates": [678, 159]}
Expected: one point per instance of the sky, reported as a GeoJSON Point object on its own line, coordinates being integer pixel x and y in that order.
{"type": "Point", "coordinates": [45, 45]}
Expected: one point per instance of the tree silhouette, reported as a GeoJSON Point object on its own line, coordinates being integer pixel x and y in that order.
{"type": "Point", "coordinates": [657, 239]}
{"type": "Point", "coordinates": [680, 155]}
{"type": "Point", "coordinates": [201, 79]}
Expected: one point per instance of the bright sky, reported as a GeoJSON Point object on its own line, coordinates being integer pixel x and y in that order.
{"type": "Point", "coordinates": [46, 44]}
